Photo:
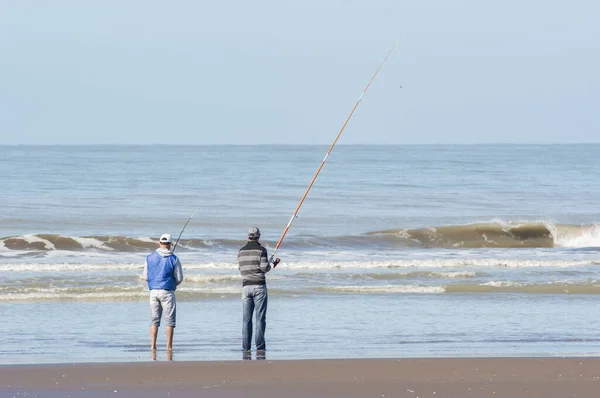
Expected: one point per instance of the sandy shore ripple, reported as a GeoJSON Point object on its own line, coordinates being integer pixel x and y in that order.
{"type": "Point", "coordinates": [423, 378]}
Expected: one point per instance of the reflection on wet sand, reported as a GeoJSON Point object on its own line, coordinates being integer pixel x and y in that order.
{"type": "Point", "coordinates": [169, 356]}
{"type": "Point", "coordinates": [260, 355]}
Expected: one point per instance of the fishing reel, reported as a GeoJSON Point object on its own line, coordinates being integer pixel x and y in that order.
{"type": "Point", "coordinates": [275, 262]}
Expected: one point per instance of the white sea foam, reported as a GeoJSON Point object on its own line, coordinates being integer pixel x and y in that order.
{"type": "Point", "coordinates": [53, 293]}
{"type": "Point", "coordinates": [67, 267]}
{"type": "Point", "coordinates": [62, 294]}
{"type": "Point", "coordinates": [91, 243]}
{"type": "Point", "coordinates": [502, 284]}
{"type": "Point", "coordinates": [212, 264]}
{"type": "Point", "coordinates": [387, 289]}
{"type": "Point", "coordinates": [34, 238]}
{"type": "Point", "coordinates": [145, 239]}
{"type": "Point", "coordinates": [213, 278]}
{"type": "Point", "coordinates": [315, 265]}
{"type": "Point", "coordinates": [585, 237]}
{"type": "Point", "coordinates": [9, 253]}
{"type": "Point", "coordinates": [438, 263]}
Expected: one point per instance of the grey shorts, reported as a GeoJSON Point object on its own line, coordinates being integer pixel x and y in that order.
{"type": "Point", "coordinates": [162, 302]}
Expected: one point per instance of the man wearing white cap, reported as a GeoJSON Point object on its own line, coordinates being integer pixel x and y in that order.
{"type": "Point", "coordinates": [254, 264]}
{"type": "Point", "coordinates": [163, 272]}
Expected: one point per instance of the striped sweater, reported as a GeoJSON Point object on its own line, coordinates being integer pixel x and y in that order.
{"type": "Point", "coordinates": [253, 263]}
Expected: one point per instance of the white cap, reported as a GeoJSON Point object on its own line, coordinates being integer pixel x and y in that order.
{"type": "Point", "coordinates": [165, 238]}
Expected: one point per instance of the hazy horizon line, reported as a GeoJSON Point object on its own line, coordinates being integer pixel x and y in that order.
{"type": "Point", "coordinates": [325, 145]}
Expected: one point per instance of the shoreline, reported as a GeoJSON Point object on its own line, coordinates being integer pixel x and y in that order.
{"type": "Point", "coordinates": [510, 377]}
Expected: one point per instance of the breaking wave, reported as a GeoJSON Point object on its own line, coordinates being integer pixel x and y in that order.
{"type": "Point", "coordinates": [494, 234]}
{"type": "Point", "coordinates": [497, 235]}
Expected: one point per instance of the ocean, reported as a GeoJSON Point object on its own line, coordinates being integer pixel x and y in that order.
{"type": "Point", "coordinates": [398, 251]}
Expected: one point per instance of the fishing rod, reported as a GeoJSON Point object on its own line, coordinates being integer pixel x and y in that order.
{"type": "Point", "coordinates": [183, 229]}
{"type": "Point", "coordinates": [294, 215]}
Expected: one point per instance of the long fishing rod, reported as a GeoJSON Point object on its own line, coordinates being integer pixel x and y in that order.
{"type": "Point", "coordinates": [326, 156]}
{"type": "Point", "coordinates": [183, 229]}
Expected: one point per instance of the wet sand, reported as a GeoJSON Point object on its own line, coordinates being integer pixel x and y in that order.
{"type": "Point", "coordinates": [423, 378]}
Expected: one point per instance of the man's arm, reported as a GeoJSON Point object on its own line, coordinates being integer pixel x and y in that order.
{"type": "Point", "coordinates": [264, 262]}
{"type": "Point", "coordinates": [178, 272]}
{"type": "Point", "coordinates": [145, 274]}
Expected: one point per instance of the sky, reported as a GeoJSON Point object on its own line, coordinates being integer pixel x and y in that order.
{"type": "Point", "coordinates": [289, 72]}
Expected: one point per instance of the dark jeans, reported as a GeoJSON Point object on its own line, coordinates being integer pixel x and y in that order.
{"type": "Point", "coordinates": [254, 297]}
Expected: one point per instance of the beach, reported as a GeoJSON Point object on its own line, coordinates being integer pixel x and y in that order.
{"type": "Point", "coordinates": [423, 378]}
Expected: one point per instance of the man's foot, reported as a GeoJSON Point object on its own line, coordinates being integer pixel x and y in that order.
{"type": "Point", "coordinates": [246, 354]}
{"type": "Point", "coordinates": [153, 348]}
{"type": "Point", "coordinates": [169, 348]}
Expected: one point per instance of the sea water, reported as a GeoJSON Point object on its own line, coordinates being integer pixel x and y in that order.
{"type": "Point", "coordinates": [398, 251]}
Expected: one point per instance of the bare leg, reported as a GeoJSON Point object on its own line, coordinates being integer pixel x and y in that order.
{"type": "Point", "coordinates": [169, 330]}
{"type": "Point", "coordinates": [153, 334]}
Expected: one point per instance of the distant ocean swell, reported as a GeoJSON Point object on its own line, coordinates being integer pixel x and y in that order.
{"type": "Point", "coordinates": [479, 235]}
{"type": "Point", "coordinates": [194, 292]}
